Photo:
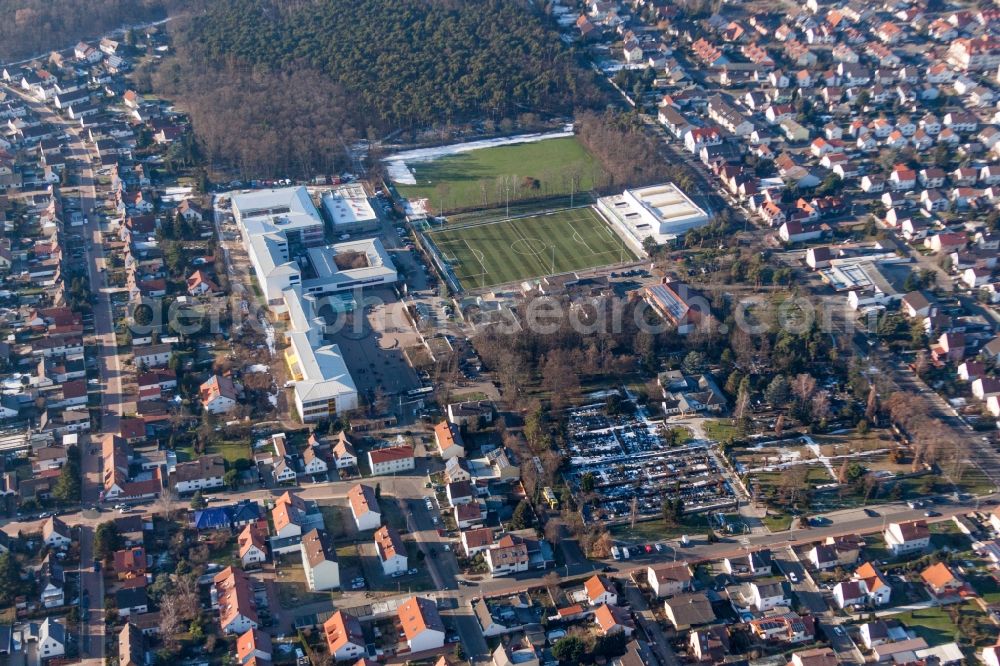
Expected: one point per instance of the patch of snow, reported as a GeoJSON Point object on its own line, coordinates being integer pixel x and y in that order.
{"type": "Point", "coordinates": [399, 172]}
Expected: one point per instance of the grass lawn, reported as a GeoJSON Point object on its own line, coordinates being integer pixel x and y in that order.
{"type": "Point", "coordinates": [720, 430]}
{"type": "Point", "coordinates": [336, 518]}
{"type": "Point", "coordinates": [649, 531]}
{"type": "Point", "coordinates": [469, 397]}
{"type": "Point", "coordinates": [292, 588]}
{"type": "Point", "coordinates": [987, 587]}
{"type": "Point", "coordinates": [230, 450]}
{"type": "Point", "coordinates": [932, 624]}
{"type": "Point", "coordinates": [935, 625]}
{"type": "Point", "coordinates": [816, 475]}
{"type": "Point", "coordinates": [777, 522]}
{"type": "Point", "coordinates": [517, 249]}
{"type": "Point", "coordinates": [974, 481]}
{"type": "Point", "coordinates": [474, 178]}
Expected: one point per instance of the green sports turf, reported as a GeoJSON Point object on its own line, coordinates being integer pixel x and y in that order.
{"type": "Point", "coordinates": [476, 179]}
{"type": "Point", "coordinates": [505, 251]}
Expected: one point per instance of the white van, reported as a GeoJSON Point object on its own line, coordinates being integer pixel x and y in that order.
{"type": "Point", "coordinates": [616, 552]}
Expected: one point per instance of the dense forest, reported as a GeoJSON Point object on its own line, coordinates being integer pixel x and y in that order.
{"type": "Point", "coordinates": [407, 62]}
{"type": "Point", "coordinates": [361, 68]}
{"type": "Point", "coordinates": [33, 27]}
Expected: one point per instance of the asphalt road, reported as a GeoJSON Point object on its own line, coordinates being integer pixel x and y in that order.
{"type": "Point", "coordinates": [91, 633]}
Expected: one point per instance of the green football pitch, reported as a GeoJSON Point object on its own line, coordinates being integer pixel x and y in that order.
{"type": "Point", "coordinates": [492, 253]}
{"type": "Point", "coordinates": [489, 177]}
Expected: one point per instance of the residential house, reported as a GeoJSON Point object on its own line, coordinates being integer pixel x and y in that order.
{"type": "Point", "coordinates": [51, 580]}
{"type": "Point", "coordinates": [907, 537]}
{"type": "Point", "coordinates": [949, 347]}
{"type": "Point", "coordinates": [389, 460]}
{"type": "Point", "coordinates": [600, 591]}
{"type": "Point", "coordinates": [205, 473]}
{"type": "Point", "coordinates": [507, 556]}
{"type": "Point", "coordinates": [319, 560]}
{"type": "Point", "coordinates": [669, 579]}
{"type": "Point", "coordinates": [468, 514]}
{"type": "Point", "coordinates": [199, 284]}
{"type": "Point", "coordinates": [756, 563]}
{"type": "Point", "coordinates": [51, 639]}
{"type": "Point", "coordinates": [344, 455]}
{"type": "Point", "coordinates": [916, 305]}
{"type": "Point", "coordinates": [823, 556]}
{"type": "Point", "coordinates": [391, 550]}
{"type": "Point", "coordinates": [421, 623]}
{"type": "Point", "coordinates": [786, 627]}
{"type": "Point", "coordinates": [460, 492]}
{"type": "Point", "coordinates": [132, 600]}
{"type": "Point", "coordinates": [985, 387]}
{"type": "Point", "coordinates": [313, 463]}
{"type": "Point", "coordinates": [218, 395]}
{"type": "Point", "coordinates": [56, 534]}
{"type": "Point", "coordinates": [689, 610]}
{"type": "Point", "coordinates": [130, 563]}
{"type": "Point", "coordinates": [364, 507]}
{"type": "Point", "coordinates": [475, 412]}
{"type": "Point", "coordinates": [344, 638]}
{"type": "Point", "coordinates": [252, 545]}
{"type": "Point", "coordinates": [131, 647]}
{"type": "Point", "coordinates": [254, 644]}
{"type": "Point", "coordinates": [850, 593]}
{"type": "Point", "coordinates": [476, 540]}
{"type": "Point", "coordinates": [456, 469]}
{"type": "Point", "coordinates": [235, 598]}
{"type": "Point", "coordinates": [941, 581]}
{"type": "Point", "coordinates": [766, 596]}
{"type": "Point", "coordinates": [815, 657]}
{"type": "Point", "coordinates": [612, 620]}
{"type": "Point", "coordinates": [449, 440]}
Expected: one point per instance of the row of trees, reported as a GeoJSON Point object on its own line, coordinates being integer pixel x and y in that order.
{"type": "Point", "coordinates": [630, 155]}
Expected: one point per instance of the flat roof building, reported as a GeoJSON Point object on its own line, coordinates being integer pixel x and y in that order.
{"type": "Point", "coordinates": [281, 210]}
{"type": "Point", "coordinates": [277, 226]}
{"type": "Point", "coordinates": [284, 235]}
{"type": "Point", "coordinates": [323, 385]}
{"type": "Point", "coordinates": [661, 212]}
{"type": "Point", "coordinates": [349, 265]}
{"type": "Point", "coordinates": [348, 208]}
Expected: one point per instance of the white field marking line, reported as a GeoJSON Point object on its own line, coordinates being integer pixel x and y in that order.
{"type": "Point", "coordinates": [616, 241]}
{"type": "Point", "coordinates": [479, 257]}
{"type": "Point", "coordinates": [442, 247]}
{"type": "Point", "coordinates": [535, 256]}
{"type": "Point", "coordinates": [458, 266]}
{"type": "Point", "coordinates": [579, 239]}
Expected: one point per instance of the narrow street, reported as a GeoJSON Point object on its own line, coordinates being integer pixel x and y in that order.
{"type": "Point", "coordinates": [91, 630]}
{"type": "Point", "coordinates": [658, 640]}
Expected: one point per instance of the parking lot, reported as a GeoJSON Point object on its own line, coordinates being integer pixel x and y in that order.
{"type": "Point", "coordinates": [630, 461]}
{"type": "Point", "coordinates": [373, 343]}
